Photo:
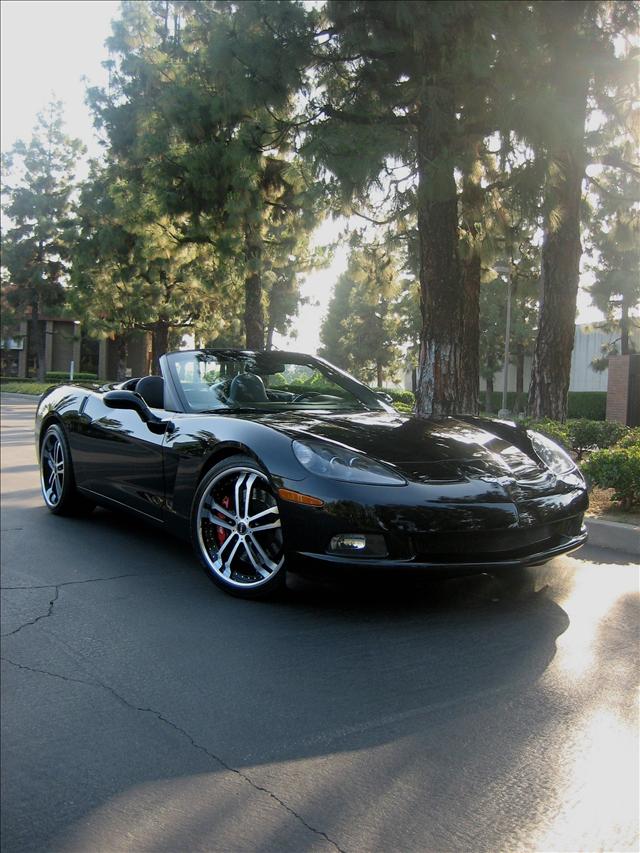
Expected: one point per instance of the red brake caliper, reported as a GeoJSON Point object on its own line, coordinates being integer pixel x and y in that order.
{"type": "Point", "coordinates": [221, 532]}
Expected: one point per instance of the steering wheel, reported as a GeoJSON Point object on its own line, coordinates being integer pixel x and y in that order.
{"type": "Point", "coordinates": [308, 395]}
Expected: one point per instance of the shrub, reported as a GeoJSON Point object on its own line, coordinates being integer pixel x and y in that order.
{"type": "Point", "coordinates": [630, 438]}
{"type": "Point", "coordinates": [616, 468]}
{"type": "Point", "coordinates": [403, 408]}
{"type": "Point", "coordinates": [63, 376]}
{"type": "Point", "coordinates": [585, 435]}
{"type": "Point", "coordinates": [399, 395]}
{"type": "Point", "coordinates": [5, 379]}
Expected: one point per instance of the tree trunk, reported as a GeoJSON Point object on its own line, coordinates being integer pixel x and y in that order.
{"type": "Point", "coordinates": [561, 251]}
{"type": "Point", "coordinates": [37, 341]}
{"type": "Point", "coordinates": [159, 344]}
{"type": "Point", "coordinates": [438, 390]}
{"type": "Point", "coordinates": [561, 248]}
{"type": "Point", "coordinates": [270, 331]}
{"type": "Point", "coordinates": [379, 373]}
{"type": "Point", "coordinates": [470, 363]}
{"type": "Point", "coordinates": [253, 308]}
{"type": "Point", "coordinates": [488, 398]}
{"type": "Point", "coordinates": [519, 377]}
{"type": "Point", "coordinates": [122, 346]}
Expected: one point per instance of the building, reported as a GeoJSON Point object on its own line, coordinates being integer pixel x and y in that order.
{"type": "Point", "coordinates": [587, 345]}
{"type": "Point", "coordinates": [65, 343]}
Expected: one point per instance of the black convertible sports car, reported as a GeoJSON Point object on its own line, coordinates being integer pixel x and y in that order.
{"type": "Point", "coordinates": [269, 461]}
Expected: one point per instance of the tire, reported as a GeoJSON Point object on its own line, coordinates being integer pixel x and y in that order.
{"type": "Point", "coordinates": [240, 555]}
{"type": "Point", "coordinates": [57, 482]}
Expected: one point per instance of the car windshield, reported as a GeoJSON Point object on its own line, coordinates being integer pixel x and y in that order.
{"type": "Point", "coordinates": [214, 381]}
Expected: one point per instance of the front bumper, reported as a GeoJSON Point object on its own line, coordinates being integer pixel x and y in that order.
{"type": "Point", "coordinates": [312, 563]}
{"type": "Point", "coordinates": [444, 528]}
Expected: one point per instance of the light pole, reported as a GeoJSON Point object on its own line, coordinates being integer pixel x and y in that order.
{"type": "Point", "coordinates": [505, 270]}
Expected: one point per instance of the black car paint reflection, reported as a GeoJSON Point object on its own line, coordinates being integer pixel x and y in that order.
{"type": "Point", "coordinates": [465, 477]}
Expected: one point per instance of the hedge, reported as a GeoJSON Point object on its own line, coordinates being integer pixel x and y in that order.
{"type": "Point", "coordinates": [591, 405]}
{"type": "Point", "coordinates": [5, 379]}
{"type": "Point", "coordinates": [496, 401]}
{"type": "Point", "coordinates": [63, 376]}
{"type": "Point", "coordinates": [53, 376]}
{"type": "Point", "coordinates": [399, 395]}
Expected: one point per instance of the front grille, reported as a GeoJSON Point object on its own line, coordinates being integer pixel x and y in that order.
{"type": "Point", "coordinates": [481, 545]}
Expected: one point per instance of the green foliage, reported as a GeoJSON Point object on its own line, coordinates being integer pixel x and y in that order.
{"type": "Point", "coordinates": [404, 408]}
{"type": "Point", "coordinates": [553, 429]}
{"type": "Point", "coordinates": [24, 386]}
{"type": "Point", "coordinates": [38, 185]}
{"type": "Point", "coordinates": [581, 435]}
{"type": "Point", "coordinates": [585, 434]}
{"type": "Point", "coordinates": [617, 468]}
{"type": "Point", "coordinates": [587, 404]}
{"type": "Point", "coordinates": [130, 269]}
{"type": "Point", "coordinates": [630, 439]}
{"type": "Point", "coordinates": [63, 376]}
{"type": "Point", "coordinates": [591, 405]}
{"type": "Point", "coordinates": [360, 331]}
{"type": "Point", "coordinates": [203, 110]}
{"type": "Point", "coordinates": [400, 395]}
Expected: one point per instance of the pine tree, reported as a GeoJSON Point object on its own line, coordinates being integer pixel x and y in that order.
{"type": "Point", "coordinates": [130, 268]}
{"type": "Point", "coordinates": [38, 208]}
{"type": "Point", "coordinates": [403, 101]}
{"type": "Point", "coordinates": [614, 244]}
{"type": "Point", "coordinates": [577, 71]}
{"type": "Point", "coordinates": [361, 330]}
{"type": "Point", "coordinates": [204, 106]}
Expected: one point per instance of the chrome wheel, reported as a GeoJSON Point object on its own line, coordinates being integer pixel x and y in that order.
{"type": "Point", "coordinates": [239, 530]}
{"type": "Point", "coordinates": [52, 471]}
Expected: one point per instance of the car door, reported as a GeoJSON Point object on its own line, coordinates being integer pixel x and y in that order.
{"type": "Point", "coordinates": [118, 456]}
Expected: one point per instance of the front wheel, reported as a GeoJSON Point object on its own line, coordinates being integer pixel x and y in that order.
{"type": "Point", "coordinates": [56, 476]}
{"type": "Point", "coordinates": [236, 529]}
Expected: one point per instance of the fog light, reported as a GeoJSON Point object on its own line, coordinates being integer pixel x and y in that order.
{"type": "Point", "coordinates": [359, 544]}
{"type": "Point", "coordinates": [349, 542]}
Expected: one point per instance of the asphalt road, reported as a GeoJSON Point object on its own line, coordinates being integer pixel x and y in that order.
{"type": "Point", "coordinates": [145, 710]}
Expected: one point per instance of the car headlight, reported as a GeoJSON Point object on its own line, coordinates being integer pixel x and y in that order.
{"type": "Point", "coordinates": [553, 456]}
{"type": "Point", "coordinates": [340, 463]}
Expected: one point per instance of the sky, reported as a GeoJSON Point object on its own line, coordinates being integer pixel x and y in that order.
{"type": "Point", "coordinates": [49, 46]}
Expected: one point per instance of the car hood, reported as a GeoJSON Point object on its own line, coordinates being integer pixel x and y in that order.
{"type": "Point", "coordinates": [433, 447]}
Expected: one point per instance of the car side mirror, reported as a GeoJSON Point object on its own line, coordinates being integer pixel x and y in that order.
{"type": "Point", "coordinates": [131, 400]}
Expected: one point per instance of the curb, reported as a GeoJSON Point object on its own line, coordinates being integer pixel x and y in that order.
{"type": "Point", "coordinates": [614, 535]}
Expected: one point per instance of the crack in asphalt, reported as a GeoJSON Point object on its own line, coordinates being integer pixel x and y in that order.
{"type": "Point", "coordinates": [58, 586]}
{"type": "Point", "coordinates": [38, 618]}
{"type": "Point", "coordinates": [185, 734]}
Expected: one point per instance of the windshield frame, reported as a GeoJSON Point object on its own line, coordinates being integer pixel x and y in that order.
{"type": "Point", "coordinates": [367, 398]}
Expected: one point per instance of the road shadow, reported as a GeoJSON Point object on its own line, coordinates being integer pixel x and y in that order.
{"type": "Point", "coordinates": [327, 672]}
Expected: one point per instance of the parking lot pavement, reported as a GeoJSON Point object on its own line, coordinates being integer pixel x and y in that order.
{"type": "Point", "coordinates": [145, 710]}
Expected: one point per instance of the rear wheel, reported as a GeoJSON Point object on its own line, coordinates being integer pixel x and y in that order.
{"type": "Point", "coordinates": [56, 476]}
{"type": "Point", "coordinates": [236, 529]}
